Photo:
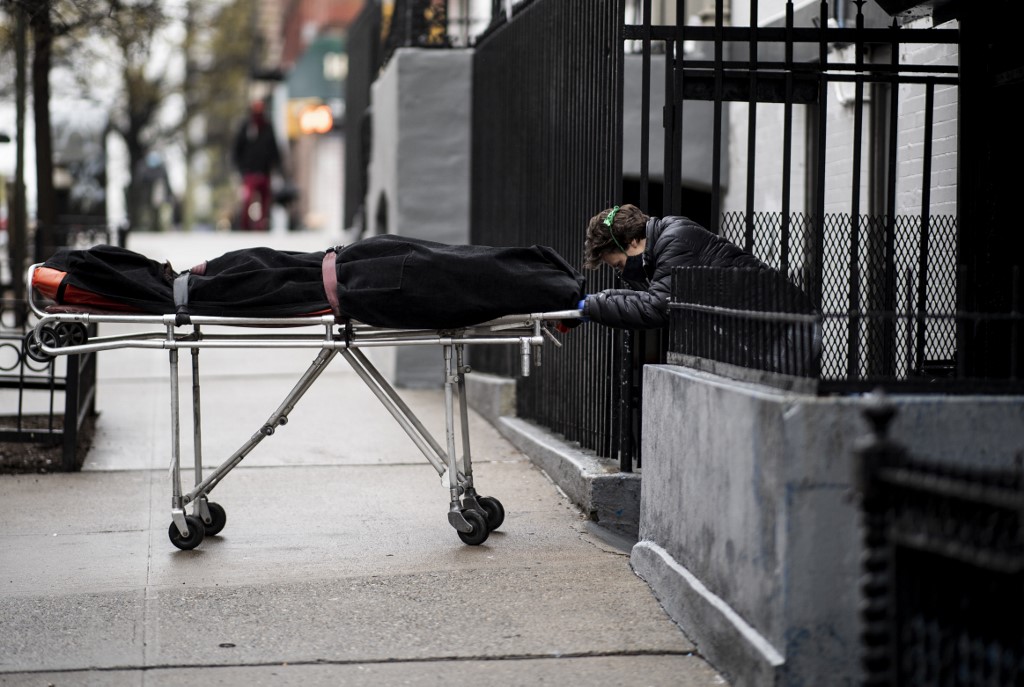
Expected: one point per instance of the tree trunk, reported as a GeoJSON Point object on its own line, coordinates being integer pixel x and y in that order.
{"type": "Point", "coordinates": [46, 213]}
{"type": "Point", "coordinates": [187, 207]}
{"type": "Point", "coordinates": [19, 230]}
{"type": "Point", "coordinates": [135, 200]}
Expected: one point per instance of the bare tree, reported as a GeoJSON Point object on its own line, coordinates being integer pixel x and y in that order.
{"type": "Point", "coordinates": [51, 23]}
{"type": "Point", "coordinates": [133, 28]}
{"type": "Point", "coordinates": [55, 29]}
{"type": "Point", "coordinates": [18, 225]}
{"type": "Point", "coordinates": [217, 47]}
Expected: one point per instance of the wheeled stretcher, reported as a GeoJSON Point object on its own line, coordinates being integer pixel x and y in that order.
{"type": "Point", "coordinates": [63, 329]}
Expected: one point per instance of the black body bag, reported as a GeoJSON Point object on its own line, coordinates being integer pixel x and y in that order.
{"type": "Point", "coordinates": [385, 281]}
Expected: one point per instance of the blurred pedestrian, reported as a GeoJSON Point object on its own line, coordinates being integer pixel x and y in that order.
{"type": "Point", "coordinates": [256, 156]}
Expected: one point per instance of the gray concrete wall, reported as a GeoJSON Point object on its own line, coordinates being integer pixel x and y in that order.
{"type": "Point", "coordinates": [420, 170]}
{"type": "Point", "coordinates": [748, 534]}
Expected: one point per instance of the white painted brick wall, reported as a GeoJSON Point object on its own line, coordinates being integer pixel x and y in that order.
{"type": "Point", "coordinates": [839, 159]}
{"type": "Point", "coordinates": [910, 135]}
{"type": "Point", "coordinates": [839, 148]}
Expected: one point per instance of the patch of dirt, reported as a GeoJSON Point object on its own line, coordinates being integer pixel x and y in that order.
{"type": "Point", "coordinates": [34, 457]}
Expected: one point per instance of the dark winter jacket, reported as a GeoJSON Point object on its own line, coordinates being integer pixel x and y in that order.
{"type": "Point", "coordinates": [255, 150]}
{"type": "Point", "coordinates": [671, 242]}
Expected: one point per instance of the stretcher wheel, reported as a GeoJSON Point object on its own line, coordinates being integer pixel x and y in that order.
{"type": "Point", "coordinates": [479, 534]}
{"type": "Point", "coordinates": [33, 347]}
{"type": "Point", "coordinates": [196, 532]}
{"type": "Point", "coordinates": [72, 333]}
{"type": "Point", "coordinates": [493, 510]}
{"type": "Point", "coordinates": [218, 518]}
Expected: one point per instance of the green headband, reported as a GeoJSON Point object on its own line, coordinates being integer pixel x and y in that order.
{"type": "Point", "coordinates": [608, 220]}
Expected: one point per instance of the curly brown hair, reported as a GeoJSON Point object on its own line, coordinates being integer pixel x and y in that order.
{"type": "Point", "coordinates": [628, 224]}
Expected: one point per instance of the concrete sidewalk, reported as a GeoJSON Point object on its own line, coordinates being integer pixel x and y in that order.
{"type": "Point", "coordinates": [337, 564]}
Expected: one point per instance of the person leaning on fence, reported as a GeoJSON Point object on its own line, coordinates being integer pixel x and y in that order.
{"type": "Point", "coordinates": [643, 251]}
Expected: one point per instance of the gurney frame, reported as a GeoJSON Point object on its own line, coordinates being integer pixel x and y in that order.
{"type": "Point", "coordinates": [64, 331]}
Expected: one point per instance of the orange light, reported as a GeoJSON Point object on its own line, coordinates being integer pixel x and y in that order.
{"type": "Point", "coordinates": [316, 120]}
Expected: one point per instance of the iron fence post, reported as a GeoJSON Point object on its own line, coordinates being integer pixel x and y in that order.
{"type": "Point", "coordinates": [626, 402]}
{"type": "Point", "coordinates": [877, 641]}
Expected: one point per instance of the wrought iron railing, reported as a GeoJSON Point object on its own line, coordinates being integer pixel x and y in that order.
{"type": "Point", "coordinates": [47, 401]}
{"type": "Point", "coordinates": [545, 122]}
{"type": "Point", "coordinates": [548, 154]}
{"type": "Point", "coordinates": [745, 323]}
{"type": "Point", "coordinates": [943, 568]}
{"type": "Point", "coordinates": [745, 318]}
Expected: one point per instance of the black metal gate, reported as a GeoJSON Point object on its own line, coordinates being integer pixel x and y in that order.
{"type": "Point", "coordinates": [545, 119]}
{"type": "Point", "coordinates": [874, 236]}
{"type": "Point", "coordinates": [546, 99]}
{"type": "Point", "coordinates": [848, 180]}
{"type": "Point", "coordinates": [49, 402]}
{"type": "Point", "coordinates": [364, 51]}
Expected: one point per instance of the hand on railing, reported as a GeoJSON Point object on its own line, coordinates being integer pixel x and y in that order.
{"type": "Point", "coordinates": [565, 326]}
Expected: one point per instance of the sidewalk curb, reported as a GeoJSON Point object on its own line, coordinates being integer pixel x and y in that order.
{"type": "Point", "coordinates": [610, 497]}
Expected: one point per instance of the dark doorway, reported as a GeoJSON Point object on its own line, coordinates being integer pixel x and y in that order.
{"type": "Point", "coordinates": [695, 204]}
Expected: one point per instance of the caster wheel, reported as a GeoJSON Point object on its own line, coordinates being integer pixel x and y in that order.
{"type": "Point", "coordinates": [494, 511]}
{"type": "Point", "coordinates": [196, 532]}
{"type": "Point", "coordinates": [218, 518]}
{"type": "Point", "coordinates": [33, 348]}
{"type": "Point", "coordinates": [479, 534]}
{"type": "Point", "coordinates": [72, 333]}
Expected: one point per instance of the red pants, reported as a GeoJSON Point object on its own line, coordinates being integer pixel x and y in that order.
{"type": "Point", "coordinates": [255, 202]}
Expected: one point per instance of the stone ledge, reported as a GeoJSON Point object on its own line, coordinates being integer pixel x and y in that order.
{"type": "Point", "coordinates": [721, 636]}
{"type": "Point", "coordinates": [609, 497]}
{"type": "Point", "coordinates": [491, 396]}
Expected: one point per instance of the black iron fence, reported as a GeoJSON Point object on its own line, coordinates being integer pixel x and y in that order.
{"type": "Point", "coordinates": [824, 91]}
{"type": "Point", "coordinates": [943, 568]}
{"type": "Point", "coordinates": [843, 107]}
{"type": "Point", "coordinates": [364, 59]}
{"type": "Point", "coordinates": [746, 318]}
{"type": "Point", "coordinates": [868, 333]}
{"type": "Point", "coordinates": [49, 401]}
{"type": "Point", "coordinates": [546, 120]}
{"type": "Point", "coordinates": [852, 108]}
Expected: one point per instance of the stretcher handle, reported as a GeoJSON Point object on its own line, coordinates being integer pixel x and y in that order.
{"type": "Point", "coordinates": [29, 274]}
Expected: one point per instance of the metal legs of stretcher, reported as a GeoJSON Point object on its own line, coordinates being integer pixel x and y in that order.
{"type": "Point", "coordinates": [65, 331]}
{"type": "Point", "coordinates": [473, 516]}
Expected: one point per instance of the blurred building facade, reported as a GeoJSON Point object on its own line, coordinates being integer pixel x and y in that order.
{"type": "Point", "coordinates": [301, 64]}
